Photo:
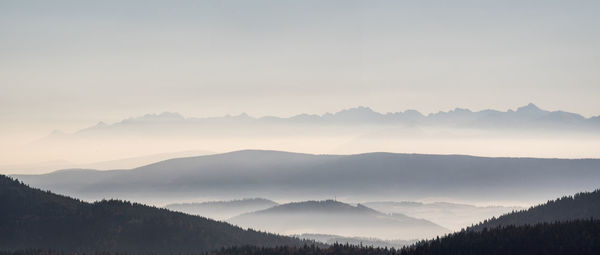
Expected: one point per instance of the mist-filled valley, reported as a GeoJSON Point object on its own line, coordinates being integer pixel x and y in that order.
{"type": "Point", "coordinates": [323, 199]}
{"type": "Point", "coordinates": [381, 198]}
{"type": "Point", "coordinates": [269, 127]}
{"type": "Point", "coordinates": [60, 223]}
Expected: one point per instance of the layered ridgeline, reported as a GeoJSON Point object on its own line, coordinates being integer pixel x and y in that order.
{"type": "Point", "coordinates": [581, 206]}
{"type": "Point", "coordinates": [568, 225]}
{"type": "Point", "coordinates": [361, 177]}
{"type": "Point", "coordinates": [337, 218]}
{"type": "Point", "coordinates": [222, 210]}
{"type": "Point", "coordinates": [450, 215]}
{"type": "Point", "coordinates": [522, 119]}
{"type": "Point", "coordinates": [526, 131]}
{"type": "Point", "coordinates": [32, 218]}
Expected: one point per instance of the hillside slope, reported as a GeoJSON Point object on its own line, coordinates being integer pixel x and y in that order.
{"type": "Point", "coordinates": [222, 210]}
{"type": "Point", "coordinates": [563, 238]}
{"type": "Point", "coordinates": [581, 206]}
{"type": "Point", "coordinates": [31, 218]}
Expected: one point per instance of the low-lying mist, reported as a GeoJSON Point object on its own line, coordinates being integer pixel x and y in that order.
{"type": "Point", "coordinates": [129, 151]}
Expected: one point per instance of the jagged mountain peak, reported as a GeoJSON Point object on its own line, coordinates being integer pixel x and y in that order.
{"type": "Point", "coordinates": [529, 108]}
{"type": "Point", "coordinates": [360, 110]}
{"type": "Point", "coordinates": [153, 117]}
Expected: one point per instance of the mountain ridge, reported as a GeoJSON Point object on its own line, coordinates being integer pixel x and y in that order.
{"type": "Point", "coordinates": [365, 115]}
{"type": "Point", "coordinates": [258, 173]}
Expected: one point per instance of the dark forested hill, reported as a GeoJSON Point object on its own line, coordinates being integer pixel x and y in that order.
{"type": "Point", "coordinates": [32, 218]}
{"type": "Point", "coordinates": [563, 238]}
{"type": "Point", "coordinates": [583, 205]}
{"type": "Point", "coordinates": [576, 237]}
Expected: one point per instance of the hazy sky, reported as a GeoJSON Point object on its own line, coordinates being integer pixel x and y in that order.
{"type": "Point", "coordinates": [68, 64]}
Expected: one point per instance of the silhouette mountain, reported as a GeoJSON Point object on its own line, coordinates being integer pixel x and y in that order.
{"type": "Point", "coordinates": [581, 206]}
{"type": "Point", "coordinates": [529, 116]}
{"type": "Point", "coordinates": [296, 177]}
{"type": "Point", "coordinates": [221, 210]}
{"type": "Point", "coordinates": [353, 115]}
{"type": "Point", "coordinates": [531, 109]}
{"type": "Point", "coordinates": [337, 218]}
{"type": "Point", "coordinates": [354, 130]}
{"type": "Point", "coordinates": [32, 218]}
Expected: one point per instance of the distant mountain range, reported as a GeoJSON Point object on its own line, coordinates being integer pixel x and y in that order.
{"type": "Point", "coordinates": [337, 218]}
{"type": "Point", "coordinates": [525, 132]}
{"type": "Point", "coordinates": [362, 177]}
{"type": "Point", "coordinates": [222, 210]}
{"type": "Point", "coordinates": [529, 116]}
{"type": "Point", "coordinates": [32, 218]}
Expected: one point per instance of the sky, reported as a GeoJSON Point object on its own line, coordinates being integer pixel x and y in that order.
{"type": "Point", "coordinates": [69, 64]}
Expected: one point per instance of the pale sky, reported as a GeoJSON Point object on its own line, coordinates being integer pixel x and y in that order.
{"type": "Point", "coordinates": [69, 64]}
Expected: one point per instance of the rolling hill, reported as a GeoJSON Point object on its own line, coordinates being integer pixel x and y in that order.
{"type": "Point", "coordinates": [333, 217]}
{"type": "Point", "coordinates": [296, 177]}
{"type": "Point", "coordinates": [450, 215]}
{"type": "Point", "coordinates": [32, 218]}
